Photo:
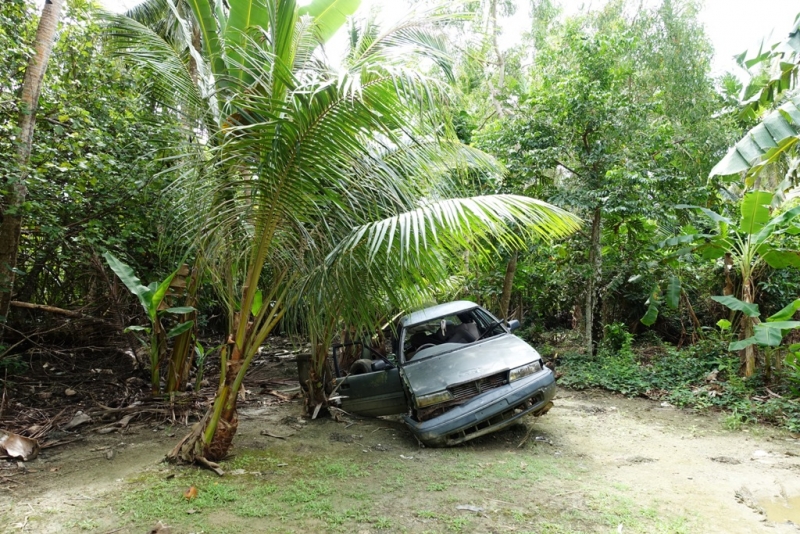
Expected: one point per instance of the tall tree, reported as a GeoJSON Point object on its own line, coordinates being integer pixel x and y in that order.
{"type": "Point", "coordinates": [601, 125]}
{"type": "Point", "coordinates": [95, 162]}
{"type": "Point", "coordinates": [16, 190]}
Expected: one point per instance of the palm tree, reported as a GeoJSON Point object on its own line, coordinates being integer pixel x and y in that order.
{"type": "Point", "coordinates": [304, 158]}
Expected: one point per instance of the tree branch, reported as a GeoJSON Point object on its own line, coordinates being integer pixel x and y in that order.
{"type": "Point", "coordinates": [569, 169]}
{"type": "Point", "coordinates": [57, 311]}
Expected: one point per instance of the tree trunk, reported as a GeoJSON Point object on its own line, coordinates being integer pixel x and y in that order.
{"type": "Point", "coordinates": [594, 273]}
{"type": "Point", "coordinates": [197, 45]}
{"type": "Point", "coordinates": [495, 30]}
{"type": "Point", "coordinates": [320, 374]}
{"type": "Point", "coordinates": [748, 295]}
{"type": "Point", "coordinates": [508, 284]}
{"type": "Point", "coordinates": [211, 438]}
{"type": "Point", "coordinates": [17, 191]}
{"type": "Point", "coordinates": [316, 395]}
{"type": "Point", "coordinates": [697, 332]}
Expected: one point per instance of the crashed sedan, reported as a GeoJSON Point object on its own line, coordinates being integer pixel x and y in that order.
{"type": "Point", "coordinates": [456, 373]}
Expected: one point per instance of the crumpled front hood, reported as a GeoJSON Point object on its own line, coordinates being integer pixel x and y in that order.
{"type": "Point", "coordinates": [466, 364]}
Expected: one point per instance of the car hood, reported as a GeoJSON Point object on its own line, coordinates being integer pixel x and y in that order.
{"type": "Point", "coordinates": [474, 361]}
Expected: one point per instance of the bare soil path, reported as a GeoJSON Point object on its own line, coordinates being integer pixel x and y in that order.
{"type": "Point", "coordinates": [595, 463]}
{"type": "Point", "coordinates": [687, 463]}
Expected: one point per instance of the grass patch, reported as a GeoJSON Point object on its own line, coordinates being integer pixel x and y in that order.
{"type": "Point", "coordinates": [353, 492]}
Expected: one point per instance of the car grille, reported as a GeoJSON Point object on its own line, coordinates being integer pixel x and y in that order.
{"type": "Point", "coordinates": [498, 421]}
{"type": "Point", "coordinates": [466, 391]}
{"type": "Point", "coordinates": [462, 393]}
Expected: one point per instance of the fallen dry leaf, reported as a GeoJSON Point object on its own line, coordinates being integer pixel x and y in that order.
{"type": "Point", "coordinates": [190, 494]}
{"type": "Point", "coordinates": [80, 418]}
{"type": "Point", "coordinates": [16, 446]}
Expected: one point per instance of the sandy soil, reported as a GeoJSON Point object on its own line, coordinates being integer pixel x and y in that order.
{"type": "Point", "coordinates": [688, 463]}
{"type": "Point", "coordinates": [682, 463]}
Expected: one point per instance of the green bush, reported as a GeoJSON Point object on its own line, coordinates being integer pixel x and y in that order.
{"type": "Point", "coordinates": [617, 338]}
{"type": "Point", "coordinates": [701, 376]}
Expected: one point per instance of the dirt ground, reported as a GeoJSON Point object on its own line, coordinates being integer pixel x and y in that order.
{"type": "Point", "coordinates": [595, 463]}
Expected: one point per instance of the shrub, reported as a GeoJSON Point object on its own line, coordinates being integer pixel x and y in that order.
{"type": "Point", "coordinates": [701, 376]}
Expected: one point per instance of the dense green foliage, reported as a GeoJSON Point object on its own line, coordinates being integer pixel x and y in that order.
{"type": "Point", "coordinates": [601, 124]}
{"type": "Point", "coordinates": [317, 195]}
{"type": "Point", "coordinates": [703, 376]}
{"type": "Point", "coordinates": [616, 117]}
{"type": "Point", "coordinates": [98, 144]}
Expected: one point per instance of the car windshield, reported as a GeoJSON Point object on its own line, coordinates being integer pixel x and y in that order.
{"type": "Point", "coordinates": [447, 333]}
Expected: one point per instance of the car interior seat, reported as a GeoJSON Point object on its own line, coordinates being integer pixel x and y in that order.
{"type": "Point", "coordinates": [421, 338]}
{"type": "Point", "coordinates": [463, 333]}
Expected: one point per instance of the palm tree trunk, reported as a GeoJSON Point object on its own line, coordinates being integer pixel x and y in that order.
{"type": "Point", "coordinates": [594, 273]}
{"type": "Point", "coordinates": [508, 284]}
{"type": "Point", "coordinates": [315, 396]}
{"type": "Point", "coordinates": [211, 438]}
{"type": "Point", "coordinates": [319, 374]}
{"type": "Point", "coordinates": [11, 224]}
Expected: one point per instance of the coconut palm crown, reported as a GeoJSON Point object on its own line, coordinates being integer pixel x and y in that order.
{"type": "Point", "coordinates": [317, 181]}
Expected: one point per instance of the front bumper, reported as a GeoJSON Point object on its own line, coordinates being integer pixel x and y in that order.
{"type": "Point", "coordinates": [492, 411]}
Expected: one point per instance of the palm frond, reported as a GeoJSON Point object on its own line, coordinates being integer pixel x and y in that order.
{"type": "Point", "coordinates": [171, 83]}
{"type": "Point", "coordinates": [417, 35]}
{"type": "Point", "coordinates": [480, 222]}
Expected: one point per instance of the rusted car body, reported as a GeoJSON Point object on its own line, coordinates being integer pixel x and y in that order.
{"type": "Point", "coordinates": [457, 372]}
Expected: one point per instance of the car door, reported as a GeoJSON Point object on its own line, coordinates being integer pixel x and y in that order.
{"type": "Point", "coordinates": [373, 394]}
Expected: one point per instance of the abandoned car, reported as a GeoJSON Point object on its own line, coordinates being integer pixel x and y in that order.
{"type": "Point", "coordinates": [456, 372]}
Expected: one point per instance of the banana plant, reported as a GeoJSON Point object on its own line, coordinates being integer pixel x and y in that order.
{"type": "Point", "coordinates": [792, 363]}
{"type": "Point", "coordinates": [777, 134]}
{"type": "Point", "coordinates": [673, 295]}
{"type": "Point", "coordinates": [151, 298]}
{"type": "Point", "coordinates": [765, 334]}
{"type": "Point", "coordinates": [778, 129]}
{"type": "Point", "coordinates": [746, 247]}
{"type": "Point", "coordinates": [768, 334]}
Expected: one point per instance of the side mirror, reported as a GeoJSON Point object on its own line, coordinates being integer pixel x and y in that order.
{"type": "Point", "coordinates": [513, 325]}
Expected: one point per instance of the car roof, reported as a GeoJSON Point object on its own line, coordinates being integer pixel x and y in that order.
{"type": "Point", "coordinates": [434, 312]}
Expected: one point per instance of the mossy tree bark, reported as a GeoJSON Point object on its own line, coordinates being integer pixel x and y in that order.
{"type": "Point", "coordinates": [508, 285]}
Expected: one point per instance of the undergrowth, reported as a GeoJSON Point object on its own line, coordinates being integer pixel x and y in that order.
{"type": "Point", "coordinates": [701, 376]}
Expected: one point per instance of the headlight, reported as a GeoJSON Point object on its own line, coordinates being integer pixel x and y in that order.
{"type": "Point", "coordinates": [525, 370]}
{"type": "Point", "coordinates": [434, 398]}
